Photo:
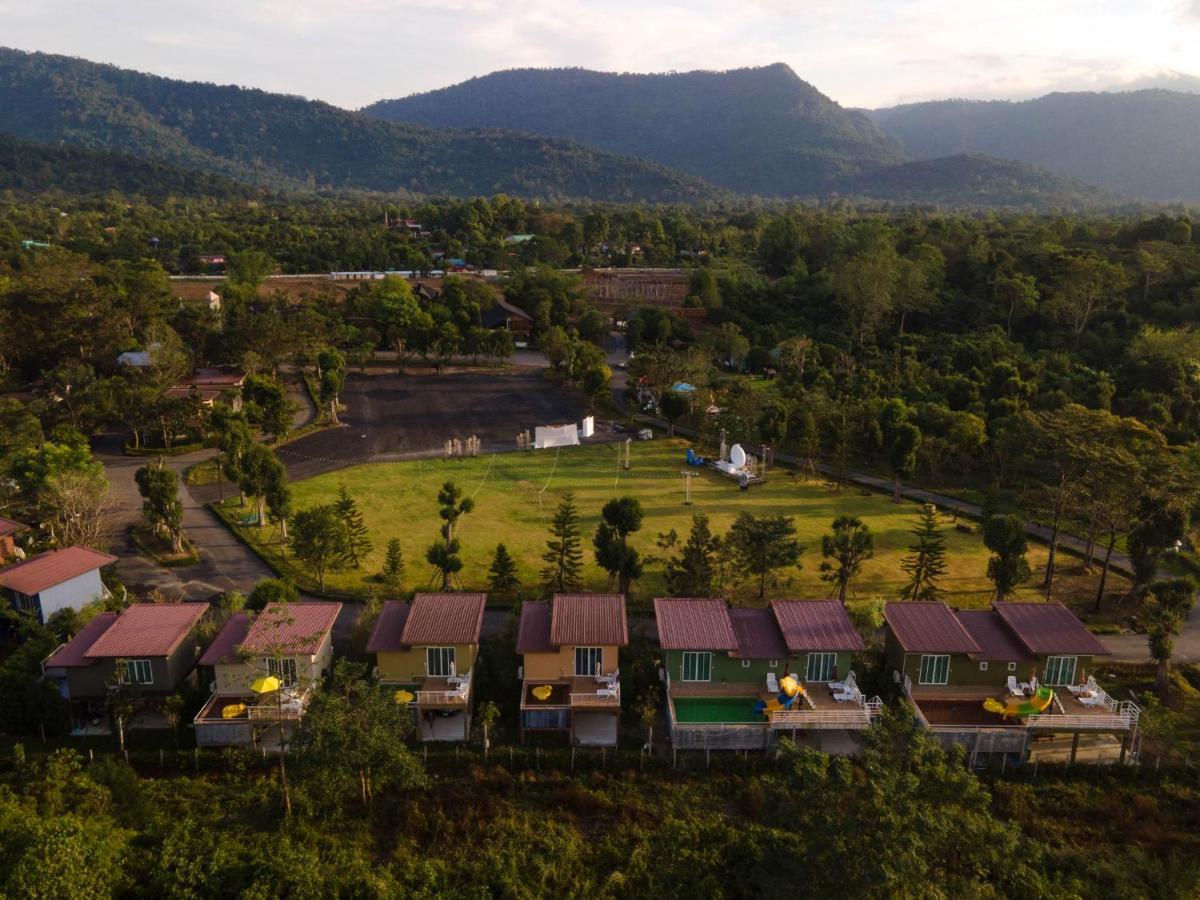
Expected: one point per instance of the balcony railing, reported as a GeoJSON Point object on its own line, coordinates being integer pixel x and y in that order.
{"type": "Point", "coordinates": [454, 696]}
{"type": "Point", "coordinates": [604, 696]}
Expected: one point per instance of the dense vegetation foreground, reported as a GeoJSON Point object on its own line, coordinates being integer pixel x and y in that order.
{"type": "Point", "coordinates": [373, 820]}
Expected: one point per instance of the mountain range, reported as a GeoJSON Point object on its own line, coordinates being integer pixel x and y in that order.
{"type": "Point", "coordinates": [556, 134]}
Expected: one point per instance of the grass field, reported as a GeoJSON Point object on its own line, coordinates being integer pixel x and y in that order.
{"type": "Point", "coordinates": [516, 495]}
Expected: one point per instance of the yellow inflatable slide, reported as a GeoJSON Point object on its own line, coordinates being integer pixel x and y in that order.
{"type": "Point", "coordinates": [1016, 707]}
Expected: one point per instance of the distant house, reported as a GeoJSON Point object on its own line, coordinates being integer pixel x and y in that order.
{"type": "Point", "coordinates": [292, 642]}
{"type": "Point", "coordinates": [149, 648]}
{"type": "Point", "coordinates": [519, 238]}
{"type": "Point", "coordinates": [210, 385]}
{"type": "Point", "coordinates": [426, 292]}
{"type": "Point", "coordinates": [58, 579]}
{"type": "Point", "coordinates": [8, 539]}
{"type": "Point", "coordinates": [138, 359]}
{"type": "Point", "coordinates": [427, 649]}
{"type": "Point", "coordinates": [725, 672]}
{"type": "Point", "coordinates": [571, 676]}
{"type": "Point", "coordinates": [512, 318]}
{"type": "Point", "coordinates": [1009, 680]}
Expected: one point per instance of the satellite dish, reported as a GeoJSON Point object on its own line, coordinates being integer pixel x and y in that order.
{"type": "Point", "coordinates": [737, 455]}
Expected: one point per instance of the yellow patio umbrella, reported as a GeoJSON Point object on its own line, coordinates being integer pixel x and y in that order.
{"type": "Point", "coordinates": [267, 684]}
{"type": "Point", "coordinates": [403, 697]}
{"type": "Point", "coordinates": [542, 692]}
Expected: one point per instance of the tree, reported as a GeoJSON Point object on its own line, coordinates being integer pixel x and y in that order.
{"type": "Point", "coordinates": [926, 559]}
{"type": "Point", "coordinates": [1088, 284]}
{"type": "Point", "coordinates": [358, 539]}
{"type": "Point", "coordinates": [902, 453]}
{"type": "Point", "coordinates": [271, 592]}
{"type": "Point", "coordinates": [319, 540]}
{"type": "Point", "coordinates": [619, 518]}
{"type": "Point", "coordinates": [452, 506]}
{"type": "Point", "coordinates": [488, 713]}
{"type": "Point", "coordinates": [332, 378]}
{"type": "Point", "coordinates": [502, 575]}
{"type": "Point", "coordinates": [442, 554]}
{"type": "Point", "coordinates": [672, 407]}
{"type": "Point", "coordinates": [1005, 536]}
{"type": "Point", "coordinates": [1172, 603]}
{"type": "Point", "coordinates": [764, 544]}
{"type": "Point", "coordinates": [850, 545]}
{"type": "Point", "coordinates": [693, 572]}
{"type": "Point", "coordinates": [564, 552]}
{"type": "Point", "coordinates": [1160, 525]}
{"type": "Point", "coordinates": [393, 565]}
{"type": "Point", "coordinates": [159, 487]}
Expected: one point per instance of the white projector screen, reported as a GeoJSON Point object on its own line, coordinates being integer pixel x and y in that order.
{"type": "Point", "coordinates": [555, 436]}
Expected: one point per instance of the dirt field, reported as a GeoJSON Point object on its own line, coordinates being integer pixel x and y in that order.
{"type": "Point", "coordinates": [393, 417]}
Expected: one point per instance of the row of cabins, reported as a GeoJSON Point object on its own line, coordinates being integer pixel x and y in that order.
{"type": "Point", "coordinates": [733, 678]}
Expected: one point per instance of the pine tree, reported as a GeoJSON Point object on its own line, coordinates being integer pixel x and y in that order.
{"type": "Point", "coordinates": [926, 560]}
{"type": "Point", "coordinates": [693, 573]}
{"type": "Point", "coordinates": [393, 564]}
{"type": "Point", "coordinates": [358, 541]}
{"type": "Point", "coordinates": [502, 576]}
{"type": "Point", "coordinates": [564, 553]}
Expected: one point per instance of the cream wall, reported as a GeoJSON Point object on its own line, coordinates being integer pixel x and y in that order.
{"type": "Point", "coordinates": [409, 665]}
{"type": "Point", "coordinates": [234, 678]}
{"type": "Point", "coordinates": [562, 664]}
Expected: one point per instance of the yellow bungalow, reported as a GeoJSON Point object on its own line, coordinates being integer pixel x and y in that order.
{"type": "Point", "coordinates": [428, 649]}
{"type": "Point", "coordinates": [570, 675]}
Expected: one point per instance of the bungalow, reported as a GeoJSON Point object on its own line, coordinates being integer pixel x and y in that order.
{"type": "Point", "coordinates": [1013, 679]}
{"type": "Point", "coordinates": [148, 648]}
{"type": "Point", "coordinates": [427, 650]}
{"type": "Point", "coordinates": [58, 579]}
{"type": "Point", "coordinates": [8, 539]}
{"type": "Point", "coordinates": [512, 318]}
{"type": "Point", "coordinates": [291, 642]}
{"type": "Point", "coordinates": [735, 678]}
{"type": "Point", "coordinates": [209, 386]}
{"type": "Point", "coordinates": [570, 676]}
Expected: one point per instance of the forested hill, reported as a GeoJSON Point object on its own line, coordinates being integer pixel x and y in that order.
{"type": "Point", "coordinates": [282, 141]}
{"type": "Point", "coordinates": [762, 131]}
{"type": "Point", "coordinates": [1141, 144]}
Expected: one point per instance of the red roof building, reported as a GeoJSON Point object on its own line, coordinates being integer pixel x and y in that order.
{"type": "Point", "coordinates": [385, 638]}
{"type": "Point", "coordinates": [589, 620]}
{"type": "Point", "coordinates": [290, 629]}
{"type": "Point", "coordinates": [444, 619]}
{"type": "Point", "coordinates": [928, 627]}
{"type": "Point", "coordinates": [52, 568]}
{"type": "Point", "coordinates": [694, 624]}
{"type": "Point", "coordinates": [816, 625]}
{"type": "Point", "coordinates": [758, 634]}
{"type": "Point", "coordinates": [224, 648]}
{"type": "Point", "coordinates": [533, 633]}
{"type": "Point", "coordinates": [1046, 628]}
{"type": "Point", "coordinates": [148, 629]}
{"type": "Point", "coordinates": [74, 653]}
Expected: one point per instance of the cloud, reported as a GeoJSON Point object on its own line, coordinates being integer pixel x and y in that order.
{"type": "Point", "coordinates": [1191, 11]}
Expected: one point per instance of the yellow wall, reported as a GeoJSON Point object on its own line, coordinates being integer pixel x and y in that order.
{"type": "Point", "coordinates": [409, 665]}
{"type": "Point", "coordinates": [562, 663]}
{"type": "Point", "coordinates": [235, 678]}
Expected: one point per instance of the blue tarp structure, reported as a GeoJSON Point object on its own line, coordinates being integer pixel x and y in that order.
{"type": "Point", "coordinates": [682, 387]}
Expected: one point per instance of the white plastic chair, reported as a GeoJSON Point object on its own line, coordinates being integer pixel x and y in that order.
{"type": "Point", "coordinates": [772, 683]}
{"type": "Point", "coordinates": [1013, 688]}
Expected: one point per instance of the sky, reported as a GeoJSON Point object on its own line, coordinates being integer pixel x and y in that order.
{"type": "Point", "coordinates": [862, 53]}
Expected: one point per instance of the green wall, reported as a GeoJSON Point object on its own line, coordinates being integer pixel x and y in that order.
{"type": "Point", "coordinates": [726, 669]}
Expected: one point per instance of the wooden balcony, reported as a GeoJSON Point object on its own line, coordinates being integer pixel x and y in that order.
{"type": "Point", "coordinates": [444, 693]}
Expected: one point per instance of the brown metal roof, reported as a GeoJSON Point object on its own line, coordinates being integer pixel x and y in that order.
{"type": "Point", "coordinates": [533, 633]}
{"type": "Point", "coordinates": [996, 641]}
{"type": "Point", "coordinates": [758, 634]}
{"type": "Point", "coordinates": [291, 629]}
{"type": "Point", "coordinates": [444, 619]}
{"type": "Point", "coordinates": [147, 629]}
{"type": "Point", "coordinates": [73, 654]}
{"type": "Point", "coordinates": [588, 620]}
{"type": "Point", "coordinates": [1049, 628]}
{"type": "Point", "coordinates": [386, 636]}
{"type": "Point", "coordinates": [694, 624]}
{"type": "Point", "coordinates": [8, 526]}
{"type": "Point", "coordinates": [815, 625]}
{"type": "Point", "coordinates": [48, 569]}
{"type": "Point", "coordinates": [223, 647]}
{"type": "Point", "coordinates": [928, 627]}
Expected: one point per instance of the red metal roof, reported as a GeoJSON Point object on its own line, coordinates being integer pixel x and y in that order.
{"type": "Point", "coordinates": [533, 633]}
{"type": "Point", "coordinates": [386, 636]}
{"type": "Point", "coordinates": [588, 620]}
{"type": "Point", "coordinates": [221, 650]}
{"type": "Point", "coordinates": [148, 629]}
{"type": "Point", "coordinates": [291, 629]}
{"type": "Point", "coordinates": [48, 569]}
{"type": "Point", "coordinates": [73, 654]}
{"type": "Point", "coordinates": [1050, 628]}
{"type": "Point", "coordinates": [996, 641]}
{"type": "Point", "coordinates": [444, 619]}
{"type": "Point", "coordinates": [8, 526]}
{"type": "Point", "coordinates": [928, 627]}
{"type": "Point", "coordinates": [694, 624]}
{"type": "Point", "coordinates": [820, 625]}
{"type": "Point", "coordinates": [758, 634]}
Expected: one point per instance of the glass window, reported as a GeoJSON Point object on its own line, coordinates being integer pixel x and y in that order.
{"type": "Point", "coordinates": [1012, 667]}
{"type": "Point", "coordinates": [28, 603]}
{"type": "Point", "coordinates": [935, 669]}
{"type": "Point", "coordinates": [439, 662]}
{"type": "Point", "coordinates": [589, 661]}
{"type": "Point", "coordinates": [820, 667]}
{"type": "Point", "coordinates": [745, 663]}
{"type": "Point", "coordinates": [983, 666]}
{"type": "Point", "coordinates": [697, 666]}
{"type": "Point", "coordinates": [135, 671]}
{"type": "Point", "coordinates": [1060, 670]}
{"type": "Point", "coordinates": [283, 668]}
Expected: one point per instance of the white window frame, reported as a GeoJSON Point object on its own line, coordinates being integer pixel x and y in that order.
{"type": "Point", "coordinates": [701, 661]}
{"type": "Point", "coordinates": [983, 665]}
{"type": "Point", "coordinates": [773, 664]}
{"type": "Point", "coordinates": [825, 666]}
{"type": "Point", "coordinates": [935, 663]}
{"type": "Point", "coordinates": [591, 657]}
{"type": "Point", "coordinates": [284, 668]}
{"type": "Point", "coordinates": [1012, 667]}
{"type": "Point", "coordinates": [440, 662]}
{"type": "Point", "coordinates": [745, 663]}
{"type": "Point", "coordinates": [136, 671]}
{"type": "Point", "coordinates": [1060, 664]}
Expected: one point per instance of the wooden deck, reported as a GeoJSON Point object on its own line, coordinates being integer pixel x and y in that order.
{"type": "Point", "coordinates": [951, 706]}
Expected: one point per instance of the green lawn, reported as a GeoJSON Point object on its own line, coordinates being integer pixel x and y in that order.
{"type": "Point", "coordinates": [516, 494]}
